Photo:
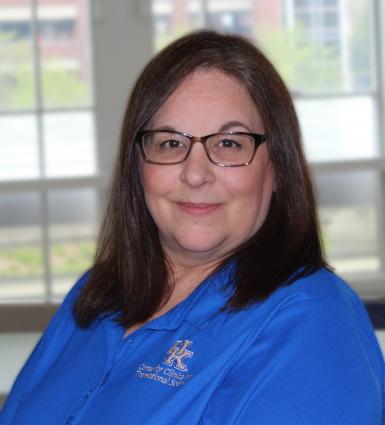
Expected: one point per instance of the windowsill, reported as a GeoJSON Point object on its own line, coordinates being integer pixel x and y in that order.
{"type": "Point", "coordinates": [25, 317]}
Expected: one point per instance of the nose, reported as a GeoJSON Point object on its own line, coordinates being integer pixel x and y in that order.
{"type": "Point", "coordinates": [197, 169]}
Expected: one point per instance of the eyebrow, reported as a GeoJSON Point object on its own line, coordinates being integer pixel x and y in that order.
{"type": "Point", "coordinates": [228, 125]}
{"type": "Point", "coordinates": [224, 127]}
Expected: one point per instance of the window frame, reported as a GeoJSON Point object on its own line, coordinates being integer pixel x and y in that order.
{"type": "Point", "coordinates": [131, 20]}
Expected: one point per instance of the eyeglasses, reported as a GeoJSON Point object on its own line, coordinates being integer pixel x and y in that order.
{"type": "Point", "coordinates": [228, 149]}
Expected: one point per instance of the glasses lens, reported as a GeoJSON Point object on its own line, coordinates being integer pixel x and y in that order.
{"type": "Point", "coordinates": [231, 149]}
{"type": "Point", "coordinates": [165, 147]}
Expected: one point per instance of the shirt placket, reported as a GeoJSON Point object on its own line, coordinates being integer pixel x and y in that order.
{"type": "Point", "coordinates": [118, 349]}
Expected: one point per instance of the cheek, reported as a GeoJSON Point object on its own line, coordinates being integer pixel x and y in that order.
{"type": "Point", "coordinates": [252, 190]}
{"type": "Point", "coordinates": [157, 181]}
{"type": "Point", "coordinates": [252, 185]}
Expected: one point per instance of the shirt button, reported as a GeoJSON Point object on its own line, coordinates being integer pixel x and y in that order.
{"type": "Point", "coordinates": [69, 420]}
{"type": "Point", "coordinates": [131, 340]}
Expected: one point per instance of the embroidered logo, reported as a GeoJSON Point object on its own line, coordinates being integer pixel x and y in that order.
{"type": "Point", "coordinates": [169, 375]}
{"type": "Point", "coordinates": [177, 353]}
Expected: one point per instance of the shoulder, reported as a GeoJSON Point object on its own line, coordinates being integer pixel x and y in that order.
{"type": "Point", "coordinates": [63, 322]}
{"type": "Point", "coordinates": [322, 294]}
{"type": "Point", "coordinates": [322, 284]}
{"type": "Point", "coordinates": [46, 352]}
{"type": "Point", "coordinates": [69, 300]}
{"type": "Point", "coordinates": [317, 293]}
{"type": "Point", "coordinates": [323, 289]}
{"type": "Point", "coordinates": [310, 355]}
{"type": "Point", "coordinates": [320, 311]}
{"type": "Point", "coordinates": [321, 299]}
{"type": "Point", "coordinates": [73, 293]}
{"type": "Point", "coordinates": [62, 325]}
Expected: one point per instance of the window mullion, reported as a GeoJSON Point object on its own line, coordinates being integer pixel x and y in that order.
{"type": "Point", "coordinates": [377, 16]}
{"type": "Point", "coordinates": [38, 84]}
{"type": "Point", "coordinates": [205, 13]}
{"type": "Point", "coordinates": [41, 150]}
{"type": "Point", "coordinates": [38, 110]}
{"type": "Point", "coordinates": [379, 37]}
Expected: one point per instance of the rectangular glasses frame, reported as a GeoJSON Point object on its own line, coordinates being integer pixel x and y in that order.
{"type": "Point", "coordinates": [258, 139]}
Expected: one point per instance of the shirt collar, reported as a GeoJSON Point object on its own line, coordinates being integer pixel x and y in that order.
{"type": "Point", "coordinates": [202, 305]}
{"type": "Point", "coordinates": [199, 308]}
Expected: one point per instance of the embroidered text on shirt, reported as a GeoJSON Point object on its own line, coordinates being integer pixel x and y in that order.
{"type": "Point", "coordinates": [168, 375]}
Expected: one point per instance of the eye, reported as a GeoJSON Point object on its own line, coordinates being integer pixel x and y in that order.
{"type": "Point", "coordinates": [169, 144]}
{"type": "Point", "coordinates": [229, 143]}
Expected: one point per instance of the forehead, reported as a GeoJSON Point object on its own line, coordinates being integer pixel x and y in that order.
{"type": "Point", "coordinates": [208, 98]}
{"type": "Point", "coordinates": [203, 80]}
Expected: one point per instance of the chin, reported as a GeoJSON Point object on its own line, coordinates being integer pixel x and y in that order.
{"type": "Point", "coordinates": [198, 240]}
{"type": "Point", "coordinates": [202, 244]}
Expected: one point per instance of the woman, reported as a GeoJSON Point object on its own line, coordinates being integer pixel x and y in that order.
{"type": "Point", "coordinates": [209, 301]}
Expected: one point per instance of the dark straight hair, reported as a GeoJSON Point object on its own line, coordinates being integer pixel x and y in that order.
{"type": "Point", "coordinates": [131, 275]}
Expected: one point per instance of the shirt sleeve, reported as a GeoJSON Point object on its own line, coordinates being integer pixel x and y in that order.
{"type": "Point", "coordinates": [59, 326]}
{"type": "Point", "coordinates": [315, 363]}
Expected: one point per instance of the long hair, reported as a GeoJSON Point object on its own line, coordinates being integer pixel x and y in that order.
{"type": "Point", "coordinates": [130, 275]}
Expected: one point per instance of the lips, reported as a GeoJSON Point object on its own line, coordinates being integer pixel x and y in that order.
{"type": "Point", "coordinates": [199, 208]}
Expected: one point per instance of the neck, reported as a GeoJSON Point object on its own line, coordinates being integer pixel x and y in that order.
{"type": "Point", "coordinates": [186, 277]}
{"type": "Point", "coordinates": [190, 270]}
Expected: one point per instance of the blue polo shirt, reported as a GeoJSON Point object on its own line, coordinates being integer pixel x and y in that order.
{"type": "Point", "coordinates": [306, 356]}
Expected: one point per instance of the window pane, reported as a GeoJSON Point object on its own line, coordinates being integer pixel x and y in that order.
{"type": "Point", "coordinates": [173, 18]}
{"type": "Point", "coordinates": [73, 228]}
{"type": "Point", "coordinates": [64, 51]}
{"type": "Point", "coordinates": [21, 254]}
{"type": "Point", "coordinates": [349, 219]}
{"type": "Point", "coordinates": [231, 16]}
{"type": "Point", "coordinates": [318, 47]}
{"type": "Point", "coordinates": [19, 155]}
{"type": "Point", "coordinates": [69, 144]}
{"type": "Point", "coordinates": [327, 47]}
{"type": "Point", "coordinates": [338, 128]}
{"type": "Point", "coordinates": [16, 63]}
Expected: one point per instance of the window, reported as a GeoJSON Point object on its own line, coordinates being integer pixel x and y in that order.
{"type": "Point", "coordinates": [53, 170]}
{"type": "Point", "coordinates": [326, 51]}
{"type": "Point", "coordinates": [53, 173]}
{"type": "Point", "coordinates": [172, 19]}
{"type": "Point", "coordinates": [48, 163]}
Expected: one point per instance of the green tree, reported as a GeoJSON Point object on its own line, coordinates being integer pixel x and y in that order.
{"type": "Point", "coordinates": [17, 88]}
{"type": "Point", "coordinates": [15, 67]}
{"type": "Point", "coordinates": [162, 40]}
{"type": "Point", "coordinates": [305, 66]}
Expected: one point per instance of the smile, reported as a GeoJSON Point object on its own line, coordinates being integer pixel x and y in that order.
{"type": "Point", "coordinates": [198, 208]}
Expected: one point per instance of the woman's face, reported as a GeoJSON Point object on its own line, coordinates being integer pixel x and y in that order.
{"type": "Point", "coordinates": [202, 210]}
